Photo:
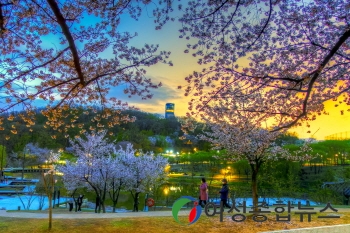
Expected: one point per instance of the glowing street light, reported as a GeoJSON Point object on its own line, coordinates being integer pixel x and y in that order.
{"type": "Point", "coordinates": [336, 155]}
{"type": "Point", "coordinates": [229, 170]}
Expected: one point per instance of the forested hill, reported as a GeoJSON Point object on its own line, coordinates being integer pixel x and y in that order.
{"type": "Point", "coordinates": [164, 133]}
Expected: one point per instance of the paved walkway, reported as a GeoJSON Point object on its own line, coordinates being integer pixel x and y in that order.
{"type": "Point", "coordinates": [81, 215]}
{"type": "Point", "coordinates": [19, 214]}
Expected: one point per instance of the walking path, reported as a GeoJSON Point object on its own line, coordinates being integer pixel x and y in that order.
{"type": "Point", "coordinates": [82, 215]}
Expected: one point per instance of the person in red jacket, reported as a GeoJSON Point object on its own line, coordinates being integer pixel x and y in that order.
{"type": "Point", "coordinates": [203, 190]}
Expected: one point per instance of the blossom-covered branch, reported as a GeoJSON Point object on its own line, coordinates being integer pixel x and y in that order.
{"type": "Point", "coordinates": [294, 54]}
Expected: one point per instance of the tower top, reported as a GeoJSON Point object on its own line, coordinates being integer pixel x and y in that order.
{"type": "Point", "coordinates": [169, 110]}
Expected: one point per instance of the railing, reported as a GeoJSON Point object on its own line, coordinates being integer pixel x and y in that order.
{"type": "Point", "coordinates": [265, 198]}
{"type": "Point", "coordinates": [26, 170]}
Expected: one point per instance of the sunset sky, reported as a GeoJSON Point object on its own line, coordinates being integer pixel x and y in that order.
{"type": "Point", "coordinates": [184, 64]}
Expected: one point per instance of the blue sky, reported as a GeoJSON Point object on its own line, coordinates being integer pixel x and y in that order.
{"type": "Point", "coordinates": [184, 64]}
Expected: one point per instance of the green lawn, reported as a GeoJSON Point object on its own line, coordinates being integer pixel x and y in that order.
{"type": "Point", "coordinates": [161, 224]}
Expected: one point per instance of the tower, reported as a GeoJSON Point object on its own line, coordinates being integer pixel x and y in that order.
{"type": "Point", "coordinates": [169, 110]}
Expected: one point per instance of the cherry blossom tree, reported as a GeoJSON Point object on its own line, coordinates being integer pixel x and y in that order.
{"type": "Point", "coordinates": [117, 182]}
{"type": "Point", "coordinates": [244, 136]}
{"type": "Point", "coordinates": [43, 154]}
{"type": "Point", "coordinates": [94, 167]}
{"type": "Point", "coordinates": [143, 171]}
{"type": "Point", "coordinates": [55, 52]}
{"type": "Point", "coordinates": [103, 169]}
{"type": "Point", "coordinates": [31, 153]}
{"type": "Point", "coordinates": [296, 54]}
{"type": "Point", "coordinates": [120, 174]}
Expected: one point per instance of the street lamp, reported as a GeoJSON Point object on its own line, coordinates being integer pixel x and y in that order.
{"type": "Point", "coordinates": [23, 162]}
{"type": "Point", "coordinates": [336, 155]}
{"type": "Point", "coordinates": [166, 192]}
{"type": "Point", "coordinates": [345, 157]}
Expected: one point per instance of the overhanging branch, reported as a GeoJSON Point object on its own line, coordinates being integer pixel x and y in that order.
{"type": "Point", "coordinates": [62, 22]}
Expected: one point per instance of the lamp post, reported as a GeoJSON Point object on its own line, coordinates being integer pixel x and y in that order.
{"type": "Point", "coordinates": [2, 160]}
{"type": "Point", "coordinates": [345, 157]}
{"type": "Point", "coordinates": [336, 155]}
{"type": "Point", "coordinates": [24, 157]}
{"type": "Point", "coordinates": [166, 192]}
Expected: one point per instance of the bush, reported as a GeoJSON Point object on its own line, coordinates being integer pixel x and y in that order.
{"type": "Point", "coordinates": [326, 195]}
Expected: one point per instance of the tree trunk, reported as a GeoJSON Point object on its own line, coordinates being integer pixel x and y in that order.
{"type": "Point", "coordinates": [114, 206]}
{"type": "Point", "coordinates": [50, 212]}
{"type": "Point", "coordinates": [104, 198]}
{"type": "Point", "coordinates": [103, 207]}
{"type": "Point", "coordinates": [115, 199]}
{"type": "Point", "coordinates": [255, 189]}
{"type": "Point", "coordinates": [255, 169]}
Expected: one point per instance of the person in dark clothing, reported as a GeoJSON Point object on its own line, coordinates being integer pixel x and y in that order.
{"type": "Point", "coordinates": [97, 204]}
{"type": "Point", "coordinates": [80, 201]}
{"type": "Point", "coordinates": [224, 193]}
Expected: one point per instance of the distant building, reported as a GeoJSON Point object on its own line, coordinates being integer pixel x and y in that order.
{"type": "Point", "coordinates": [169, 110]}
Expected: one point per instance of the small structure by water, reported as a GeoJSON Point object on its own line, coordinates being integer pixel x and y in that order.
{"type": "Point", "coordinates": [17, 194]}
{"type": "Point", "coordinates": [16, 186]}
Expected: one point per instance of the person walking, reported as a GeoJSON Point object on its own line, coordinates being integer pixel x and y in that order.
{"type": "Point", "coordinates": [224, 193]}
{"type": "Point", "coordinates": [80, 201]}
{"type": "Point", "coordinates": [97, 206]}
{"type": "Point", "coordinates": [203, 190]}
{"type": "Point", "coordinates": [70, 202]}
